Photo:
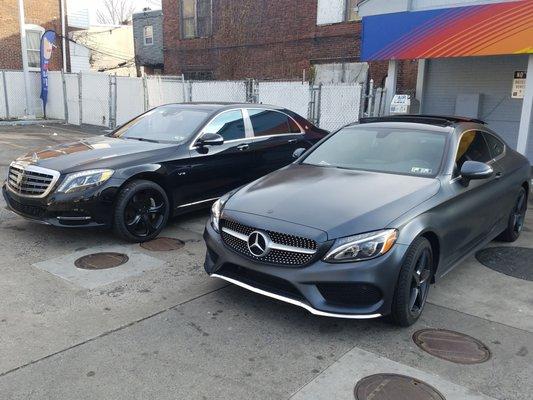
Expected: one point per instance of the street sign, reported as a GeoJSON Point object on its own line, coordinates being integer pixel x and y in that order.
{"type": "Point", "coordinates": [519, 85]}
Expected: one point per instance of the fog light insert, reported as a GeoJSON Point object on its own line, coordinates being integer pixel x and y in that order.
{"type": "Point", "coordinates": [163, 244]}
{"type": "Point", "coordinates": [452, 346]}
{"type": "Point", "coordinates": [98, 261]}
{"type": "Point", "coordinates": [394, 387]}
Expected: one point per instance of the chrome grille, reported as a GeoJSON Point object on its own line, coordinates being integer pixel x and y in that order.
{"type": "Point", "coordinates": [294, 251]}
{"type": "Point", "coordinates": [30, 180]}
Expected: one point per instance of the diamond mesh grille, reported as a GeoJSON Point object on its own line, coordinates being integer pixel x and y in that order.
{"type": "Point", "coordinates": [275, 256]}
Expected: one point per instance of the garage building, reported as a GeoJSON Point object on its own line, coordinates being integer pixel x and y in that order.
{"type": "Point", "coordinates": [475, 58]}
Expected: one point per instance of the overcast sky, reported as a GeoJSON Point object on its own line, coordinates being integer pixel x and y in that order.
{"type": "Point", "coordinates": [93, 5]}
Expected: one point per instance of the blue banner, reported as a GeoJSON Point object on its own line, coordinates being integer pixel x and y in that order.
{"type": "Point", "coordinates": [47, 45]}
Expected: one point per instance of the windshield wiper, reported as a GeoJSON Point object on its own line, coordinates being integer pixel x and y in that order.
{"type": "Point", "coordinates": [142, 139]}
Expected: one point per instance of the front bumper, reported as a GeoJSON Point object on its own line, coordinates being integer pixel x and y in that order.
{"type": "Point", "coordinates": [315, 287]}
{"type": "Point", "coordinates": [90, 208]}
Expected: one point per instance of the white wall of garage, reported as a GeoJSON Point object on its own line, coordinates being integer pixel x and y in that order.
{"type": "Point", "coordinates": [491, 77]}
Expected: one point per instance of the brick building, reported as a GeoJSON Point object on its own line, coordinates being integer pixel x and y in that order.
{"type": "Point", "coordinates": [41, 15]}
{"type": "Point", "coordinates": [268, 39]}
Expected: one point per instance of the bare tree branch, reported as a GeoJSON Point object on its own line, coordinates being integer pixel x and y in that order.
{"type": "Point", "coordinates": [115, 12]}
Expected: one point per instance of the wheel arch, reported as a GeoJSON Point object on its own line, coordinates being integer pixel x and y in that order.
{"type": "Point", "coordinates": [151, 172]}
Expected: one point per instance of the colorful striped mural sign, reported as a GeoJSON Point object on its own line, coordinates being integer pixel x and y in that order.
{"type": "Point", "coordinates": [492, 29]}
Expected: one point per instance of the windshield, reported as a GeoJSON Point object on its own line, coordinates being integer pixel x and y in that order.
{"type": "Point", "coordinates": [170, 123]}
{"type": "Point", "coordinates": [398, 151]}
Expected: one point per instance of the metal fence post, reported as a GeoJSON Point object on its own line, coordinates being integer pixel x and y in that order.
{"type": "Point", "coordinates": [80, 97]}
{"type": "Point", "coordinates": [65, 103]}
{"type": "Point", "coordinates": [6, 97]}
{"type": "Point", "coordinates": [319, 105]}
{"type": "Point", "coordinates": [145, 93]}
{"type": "Point", "coordinates": [189, 88]}
{"type": "Point", "coordinates": [112, 101]}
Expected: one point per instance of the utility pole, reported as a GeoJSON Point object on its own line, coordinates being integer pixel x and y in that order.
{"type": "Point", "coordinates": [22, 23]}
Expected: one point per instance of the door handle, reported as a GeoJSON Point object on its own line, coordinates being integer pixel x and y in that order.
{"type": "Point", "coordinates": [291, 141]}
{"type": "Point", "coordinates": [243, 147]}
{"type": "Point", "coordinates": [498, 175]}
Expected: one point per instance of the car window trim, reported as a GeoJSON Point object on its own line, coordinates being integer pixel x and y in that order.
{"type": "Point", "coordinates": [193, 145]}
{"type": "Point", "coordinates": [499, 140]}
{"type": "Point", "coordinates": [490, 162]}
{"type": "Point", "coordinates": [302, 130]}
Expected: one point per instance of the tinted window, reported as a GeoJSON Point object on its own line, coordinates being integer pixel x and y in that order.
{"type": "Point", "coordinates": [266, 122]}
{"type": "Point", "coordinates": [410, 152]}
{"type": "Point", "coordinates": [472, 148]}
{"type": "Point", "coordinates": [496, 147]}
{"type": "Point", "coordinates": [229, 125]}
{"type": "Point", "coordinates": [167, 123]}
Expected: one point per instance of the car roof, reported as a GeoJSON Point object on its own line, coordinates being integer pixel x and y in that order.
{"type": "Point", "coordinates": [220, 106]}
{"type": "Point", "coordinates": [434, 123]}
{"type": "Point", "coordinates": [436, 120]}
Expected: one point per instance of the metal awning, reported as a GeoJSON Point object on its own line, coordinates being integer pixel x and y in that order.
{"type": "Point", "coordinates": [491, 29]}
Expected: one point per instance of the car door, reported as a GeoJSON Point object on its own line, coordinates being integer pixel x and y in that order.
{"type": "Point", "coordinates": [276, 137]}
{"type": "Point", "coordinates": [217, 169]}
{"type": "Point", "coordinates": [471, 216]}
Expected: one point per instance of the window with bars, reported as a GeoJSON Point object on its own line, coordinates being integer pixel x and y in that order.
{"type": "Point", "coordinates": [196, 18]}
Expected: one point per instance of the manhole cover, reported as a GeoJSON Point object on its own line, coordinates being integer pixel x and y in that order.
{"type": "Point", "coordinates": [163, 244]}
{"type": "Point", "coordinates": [452, 346]}
{"type": "Point", "coordinates": [101, 261]}
{"type": "Point", "coordinates": [394, 387]}
{"type": "Point", "coordinates": [511, 261]}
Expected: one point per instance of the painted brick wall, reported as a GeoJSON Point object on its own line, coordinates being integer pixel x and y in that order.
{"type": "Point", "coordinates": [153, 54]}
{"type": "Point", "coordinates": [263, 39]}
{"type": "Point", "coordinates": [45, 13]}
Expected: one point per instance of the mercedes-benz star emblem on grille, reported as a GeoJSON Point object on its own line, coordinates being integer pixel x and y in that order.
{"type": "Point", "coordinates": [258, 244]}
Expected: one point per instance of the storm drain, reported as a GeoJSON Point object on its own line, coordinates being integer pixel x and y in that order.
{"type": "Point", "coordinates": [163, 244]}
{"type": "Point", "coordinates": [452, 346]}
{"type": "Point", "coordinates": [394, 387]}
{"type": "Point", "coordinates": [101, 261]}
{"type": "Point", "coordinates": [511, 261]}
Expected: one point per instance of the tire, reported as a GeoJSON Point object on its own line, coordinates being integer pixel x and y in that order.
{"type": "Point", "coordinates": [405, 312]}
{"type": "Point", "coordinates": [516, 219]}
{"type": "Point", "coordinates": [141, 211]}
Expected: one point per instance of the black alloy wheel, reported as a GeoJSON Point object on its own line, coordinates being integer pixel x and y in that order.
{"type": "Point", "coordinates": [413, 283]}
{"type": "Point", "coordinates": [142, 211]}
{"type": "Point", "coordinates": [516, 219]}
{"type": "Point", "coordinates": [420, 283]}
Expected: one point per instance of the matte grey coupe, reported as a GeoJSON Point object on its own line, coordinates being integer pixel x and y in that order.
{"type": "Point", "coordinates": [362, 223]}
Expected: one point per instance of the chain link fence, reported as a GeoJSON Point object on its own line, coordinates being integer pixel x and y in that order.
{"type": "Point", "coordinates": [108, 100]}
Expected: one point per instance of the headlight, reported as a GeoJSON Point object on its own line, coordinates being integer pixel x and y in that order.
{"type": "Point", "coordinates": [218, 206]}
{"type": "Point", "coordinates": [362, 247]}
{"type": "Point", "coordinates": [84, 179]}
{"type": "Point", "coordinates": [216, 210]}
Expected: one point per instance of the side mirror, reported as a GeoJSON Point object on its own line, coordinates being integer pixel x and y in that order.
{"type": "Point", "coordinates": [210, 139]}
{"type": "Point", "coordinates": [298, 153]}
{"type": "Point", "coordinates": [475, 170]}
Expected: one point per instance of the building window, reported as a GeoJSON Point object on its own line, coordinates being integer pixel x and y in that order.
{"type": "Point", "coordinates": [196, 18]}
{"type": "Point", "coordinates": [352, 11]}
{"type": "Point", "coordinates": [337, 11]}
{"type": "Point", "coordinates": [33, 46]}
{"type": "Point", "coordinates": [148, 34]}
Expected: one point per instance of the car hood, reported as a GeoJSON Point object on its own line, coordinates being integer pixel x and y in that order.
{"type": "Point", "coordinates": [90, 153]}
{"type": "Point", "coordinates": [338, 201]}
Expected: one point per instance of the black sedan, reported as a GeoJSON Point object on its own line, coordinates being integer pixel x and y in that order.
{"type": "Point", "coordinates": [363, 223]}
{"type": "Point", "coordinates": [170, 160]}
